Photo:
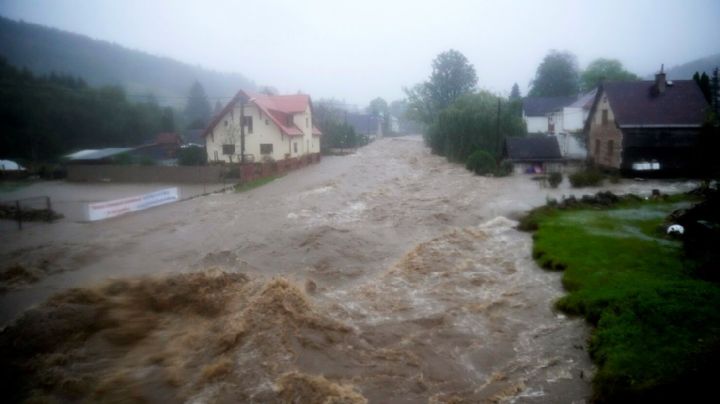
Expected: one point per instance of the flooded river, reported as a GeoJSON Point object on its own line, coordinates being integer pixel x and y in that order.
{"type": "Point", "coordinates": [388, 275]}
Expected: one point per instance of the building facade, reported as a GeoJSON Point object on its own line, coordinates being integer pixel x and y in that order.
{"type": "Point", "coordinates": [276, 127]}
{"type": "Point", "coordinates": [641, 126]}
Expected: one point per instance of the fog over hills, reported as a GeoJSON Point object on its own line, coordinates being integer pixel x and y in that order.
{"type": "Point", "coordinates": [686, 70]}
{"type": "Point", "coordinates": [44, 50]}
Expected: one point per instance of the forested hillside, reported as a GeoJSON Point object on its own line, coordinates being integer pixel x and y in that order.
{"type": "Point", "coordinates": [685, 71]}
{"type": "Point", "coordinates": [46, 50]}
{"type": "Point", "coordinates": [42, 118]}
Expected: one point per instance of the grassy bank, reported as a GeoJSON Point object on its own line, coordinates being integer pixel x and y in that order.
{"type": "Point", "coordinates": [657, 327]}
{"type": "Point", "coordinates": [246, 186]}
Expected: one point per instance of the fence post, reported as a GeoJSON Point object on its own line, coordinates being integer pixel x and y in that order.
{"type": "Point", "coordinates": [18, 214]}
{"type": "Point", "coordinates": [49, 209]}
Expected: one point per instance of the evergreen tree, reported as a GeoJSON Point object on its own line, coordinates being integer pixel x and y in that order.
{"type": "Point", "coordinates": [703, 81]}
{"type": "Point", "coordinates": [515, 93]}
{"type": "Point", "coordinates": [197, 109]}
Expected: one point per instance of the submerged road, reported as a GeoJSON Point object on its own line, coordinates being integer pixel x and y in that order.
{"type": "Point", "coordinates": [418, 256]}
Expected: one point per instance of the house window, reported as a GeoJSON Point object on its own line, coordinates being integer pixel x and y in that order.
{"type": "Point", "coordinates": [307, 122]}
{"type": "Point", "coordinates": [216, 156]}
{"type": "Point", "coordinates": [249, 124]}
{"type": "Point", "coordinates": [266, 148]}
{"type": "Point", "coordinates": [289, 120]}
{"type": "Point", "coordinates": [610, 148]}
{"type": "Point", "coordinates": [597, 147]}
{"type": "Point", "coordinates": [228, 149]}
{"type": "Point", "coordinates": [604, 117]}
{"type": "Point", "coordinates": [225, 123]}
{"type": "Point", "coordinates": [267, 122]}
{"type": "Point", "coordinates": [295, 146]}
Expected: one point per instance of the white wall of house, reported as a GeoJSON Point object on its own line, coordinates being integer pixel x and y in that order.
{"type": "Point", "coordinates": [536, 124]}
{"type": "Point", "coordinates": [573, 119]}
{"type": "Point", "coordinates": [264, 132]}
{"type": "Point", "coordinates": [307, 143]}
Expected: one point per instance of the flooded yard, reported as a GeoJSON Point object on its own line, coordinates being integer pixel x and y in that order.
{"type": "Point", "coordinates": [388, 275]}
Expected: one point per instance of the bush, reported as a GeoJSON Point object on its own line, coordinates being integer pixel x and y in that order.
{"type": "Point", "coordinates": [504, 169]}
{"type": "Point", "coordinates": [192, 156]}
{"type": "Point", "coordinates": [554, 179]}
{"type": "Point", "coordinates": [586, 178]}
{"type": "Point", "coordinates": [481, 163]}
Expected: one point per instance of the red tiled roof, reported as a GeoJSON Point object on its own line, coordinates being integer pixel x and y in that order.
{"type": "Point", "coordinates": [276, 107]}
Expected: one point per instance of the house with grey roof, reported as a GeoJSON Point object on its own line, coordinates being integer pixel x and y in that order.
{"type": "Point", "coordinates": [536, 112]}
{"type": "Point", "coordinates": [536, 154]}
{"type": "Point", "coordinates": [642, 126]}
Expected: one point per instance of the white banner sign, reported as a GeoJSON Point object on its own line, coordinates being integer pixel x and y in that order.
{"type": "Point", "coordinates": [108, 209]}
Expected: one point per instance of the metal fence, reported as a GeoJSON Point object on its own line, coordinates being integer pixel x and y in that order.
{"type": "Point", "coordinates": [34, 209]}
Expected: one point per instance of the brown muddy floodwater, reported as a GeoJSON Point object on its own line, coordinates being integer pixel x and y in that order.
{"type": "Point", "coordinates": [388, 275]}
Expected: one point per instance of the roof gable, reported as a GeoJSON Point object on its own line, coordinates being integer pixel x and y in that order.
{"type": "Point", "coordinates": [540, 106]}
{"type": "Point", "coordinates": [278, 108]}
{"type": "Point", "coordinates": [634, 103]}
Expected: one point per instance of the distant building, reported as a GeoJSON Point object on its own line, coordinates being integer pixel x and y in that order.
{"type": "Point", "coordinates": [276, 127]}
{"type": "Point", "coordinates": [194, 137]}
{"type": "Point", "coordinates": [107, 155]}
{"type": "Point", "coordinates": [568, 123]}
{"type": "Point", "coordinates": [537, 111]}
{"type": "Point", "coordinates": [641, 126]}
{"type": "Point", "coordinates": [365, 124]}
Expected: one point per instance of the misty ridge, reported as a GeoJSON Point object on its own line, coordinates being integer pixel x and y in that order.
{"type": "Point", "coordinates": [44, 50]}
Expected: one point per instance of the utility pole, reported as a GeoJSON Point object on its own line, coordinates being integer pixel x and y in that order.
{"type": "Point", "coordinates": [242, 129]}
{"type": "Point", "coordinates": [497, 131]}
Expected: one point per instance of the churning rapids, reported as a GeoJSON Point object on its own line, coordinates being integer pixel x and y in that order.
{"type": "Point", "coordinates": [387, 276]}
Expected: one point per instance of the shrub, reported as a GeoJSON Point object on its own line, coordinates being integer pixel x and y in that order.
{"type": "Point", "coordinates": [481, 162]}
{"type": "Point", "coordinates": [586, 178]}
{"type": "Point", "coordinates": [504, 169]}
{"type": "Point", "coordinates": [554, 179]}
{"type": "Point", "coordinates": [192, 156]}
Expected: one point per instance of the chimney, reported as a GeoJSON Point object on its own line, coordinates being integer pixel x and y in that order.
{"type": "Point", "coordinates": [660, 80]}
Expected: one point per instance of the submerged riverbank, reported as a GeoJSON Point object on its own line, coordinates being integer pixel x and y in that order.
{"type": "Point", "coordinates": [657, 327]}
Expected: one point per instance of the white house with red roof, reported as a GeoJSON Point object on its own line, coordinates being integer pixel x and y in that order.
{"type": "Point", "coordinates": [277, 127]}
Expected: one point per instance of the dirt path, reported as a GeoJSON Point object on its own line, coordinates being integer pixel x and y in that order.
{"type": "Point", "coordinates": [417, 256]}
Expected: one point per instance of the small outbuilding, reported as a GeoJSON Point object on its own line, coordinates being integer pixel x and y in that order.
{"type": "Point", "coordinates": [533, 154]}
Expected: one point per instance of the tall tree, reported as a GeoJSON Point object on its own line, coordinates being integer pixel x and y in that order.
{"type": "Point", "coordinates": [703, 81]}
{"type": "Point", "coordinates": [600, 70]}
{"type": "Point", "coordinates": [515, 93]}
{"type": "Point", "coordinates": [197, 109]}
{"type": "Point", "coordinates": [557, 75]}
{"type": "Point", "coordinates": [380, 110]}
{"type": "Point", "coordinates": [452, 76]}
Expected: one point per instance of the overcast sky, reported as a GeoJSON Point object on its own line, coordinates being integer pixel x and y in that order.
{"type": "Point", "coordinates": [358, 50]}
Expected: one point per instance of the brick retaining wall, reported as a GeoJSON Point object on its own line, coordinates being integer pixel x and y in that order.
{"type": "Point", "coordinates": [186, 174]}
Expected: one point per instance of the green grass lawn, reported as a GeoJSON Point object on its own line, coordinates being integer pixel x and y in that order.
{"type": "Point", "coordinates": [657, 327]}
{"type": "Point", "coordinates": [246, 186]}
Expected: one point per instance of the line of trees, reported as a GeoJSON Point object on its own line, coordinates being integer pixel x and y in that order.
{"type": "Point", "coordinates": [337, 133]}
{"type": "Point", "coordinates": [461, 120]}
{"type": "Point", "coordinates": [44, 117]}
{"type": "Point", "coordinates": [559, 75]}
